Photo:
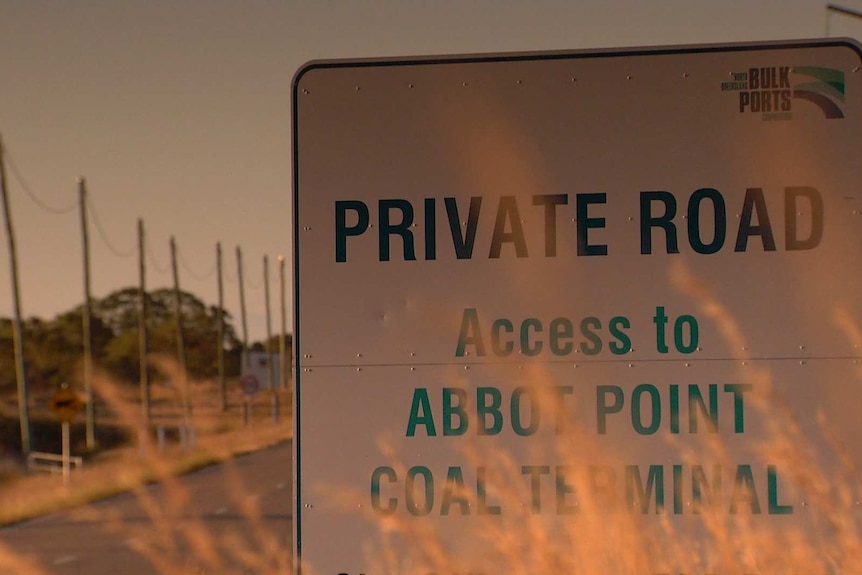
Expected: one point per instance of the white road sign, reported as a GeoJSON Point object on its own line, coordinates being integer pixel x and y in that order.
{"type": "Point", "coordinates": [636, 274]}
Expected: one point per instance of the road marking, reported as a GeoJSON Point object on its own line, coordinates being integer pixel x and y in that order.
{"type": "Point", "coordinates": [65, 559]}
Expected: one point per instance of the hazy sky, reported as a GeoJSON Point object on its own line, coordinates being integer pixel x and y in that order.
{"type": "Point", "coordinates": [179, 113]}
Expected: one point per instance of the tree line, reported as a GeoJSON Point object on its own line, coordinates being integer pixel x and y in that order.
{"type": "Point", "coordinates": [53, 350]}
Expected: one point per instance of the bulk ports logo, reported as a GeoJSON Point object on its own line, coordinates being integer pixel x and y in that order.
{"type": "Point", "coordinates": [774, 91]}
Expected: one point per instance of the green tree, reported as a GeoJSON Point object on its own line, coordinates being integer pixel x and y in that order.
{"type": "Point", "coordinates": [53, 350]}
{"type": "Point", "coordinates": [119, 310]}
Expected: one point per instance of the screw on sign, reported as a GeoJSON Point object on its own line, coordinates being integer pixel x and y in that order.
{"type": "Point", "coordinates": [250, 384]}
{"type": "Point", "coordinates": [66, 405]}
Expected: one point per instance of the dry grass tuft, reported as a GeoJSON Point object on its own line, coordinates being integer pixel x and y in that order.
{"type": "Point", "coordinates": [174, 538]}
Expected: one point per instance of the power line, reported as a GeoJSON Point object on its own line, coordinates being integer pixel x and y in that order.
{"type": "Point", "coordinates": [252, 284]}
{"type": "Point", "coordinates": [199, 277]}
{"type": "Point", "coordinates": [44, 206]}
{"type": "Point", "coordinates": [161, 269]}
{"type": "Point", "coordinates": [114, 250]}
{"type": "Point", "coordinates": [228, 277]}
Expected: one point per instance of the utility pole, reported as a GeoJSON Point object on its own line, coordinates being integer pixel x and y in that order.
{"type": "Point", "coordinates": [142, 324]}
{"type": "Point", "coordinates": [270, 371]}
{"type": "Point", "coordinates": [840, 10]}
{"type": "Point", "coordinates": [17, 332]}
{"type": "Point", "coordinates": [220, 319]}
{"type": "Point", "coordinates": [90, 406]}
{"type": "Point", "coordinates": [246, 360]}
{"type": "Point", "coordinates": [283, 364]}
{"type": "Point", "coordinates": [270, 367]}
{"type": "Point", "coordinates": [181, 348]}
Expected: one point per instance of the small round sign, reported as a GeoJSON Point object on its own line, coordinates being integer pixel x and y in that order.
{"type": "Point", "coordinates": [249, 383]}
{"type": "Point", "coordinates": [66, 405]}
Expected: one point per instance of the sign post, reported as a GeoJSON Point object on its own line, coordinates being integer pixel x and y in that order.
{"type": "Point", "coordinates": [537, 288]}
{"type": "Point", "coordinates": [66, 406]}
{"type": "Point", "coordinates": [250, 385]}
{"type": "Point", "coordinates": [67, 467]}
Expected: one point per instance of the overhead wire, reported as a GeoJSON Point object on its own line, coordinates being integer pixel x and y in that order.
{"type": "Point", "coordinates": [152, 259]}
{"type": "Point", "coordinates": [199, 277]}
{"type": "Point", "coordinates": [112, 247]}
{"type": "Point", "coordinates": [225, 272]}
{"type": "Point", "coordinates": [227, 275]}
{"type": "Point", "coordinates": [91, 207]}
{"type": "Point", "coordinates": [249, 282]}
{"type": "Point", "coordinates": [245, 277]}
{"type": "Point", "coordinates": [35, 199]}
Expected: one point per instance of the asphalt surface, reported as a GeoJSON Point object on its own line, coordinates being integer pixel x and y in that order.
{"type": "Point", "coordinates": [231, 518]}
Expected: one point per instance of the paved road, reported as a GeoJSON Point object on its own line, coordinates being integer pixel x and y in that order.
{"type": "Point", "coordinates": [230, 518]}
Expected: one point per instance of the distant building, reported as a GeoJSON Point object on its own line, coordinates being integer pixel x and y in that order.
{"type": "Point", "coordinates": [257, 363]}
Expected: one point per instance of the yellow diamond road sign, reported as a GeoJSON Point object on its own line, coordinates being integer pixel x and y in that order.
{"type": "Point", "coordinates": [66, 405]}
